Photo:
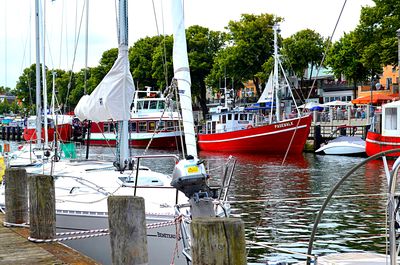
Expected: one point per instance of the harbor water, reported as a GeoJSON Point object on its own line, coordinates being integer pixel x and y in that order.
{"type": "Point", "coordinates": [279, 200]}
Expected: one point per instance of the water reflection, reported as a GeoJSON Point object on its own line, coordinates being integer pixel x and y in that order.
{"type": "Point", "coordinates": [279, 201]}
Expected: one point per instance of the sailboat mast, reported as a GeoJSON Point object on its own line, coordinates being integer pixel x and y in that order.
{"type": "Point", "coordinates": [38, 94]}
{"type": "Point", "coordinates": [276, 74]}
{"type": "Point", "coordinates": [123, 49]}
{"type": "Point", "coordinates": [46, 136]}
{"type": "Point", "coordinates": [182, 75]}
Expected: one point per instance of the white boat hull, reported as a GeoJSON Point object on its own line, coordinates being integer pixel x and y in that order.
{"type": "Point", "coordinates": [343, 148]}
{"type": "Point", "coordinates": [161, 241]}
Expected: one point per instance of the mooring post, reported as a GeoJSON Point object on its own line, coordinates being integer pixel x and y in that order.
{"type": "Point", "coordinates": [42, 207]}
{"type": "Point", "coordinates": [16, 196]}
{"type": "Point", "coordinates": [127, 224]}
{"type": "Point", "coordinates": [218, 241]}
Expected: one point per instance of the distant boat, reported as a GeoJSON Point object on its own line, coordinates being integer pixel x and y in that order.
{"type": "Point", "coordinates": [151, 124]}
{"type": "Point", "coordinates": [385, 132]}
{"type": "Point", "coordinates": [344, 144]}
{"type": "Point", "coordinates": [247, 130]}
{"type": "Point", "coordinates": [60, 124]}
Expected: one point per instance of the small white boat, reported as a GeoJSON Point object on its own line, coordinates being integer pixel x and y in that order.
{"type": "Point", "coordinates": [344, 145]}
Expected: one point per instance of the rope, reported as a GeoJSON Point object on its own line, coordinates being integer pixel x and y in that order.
{"type": "Point", "coordinates": [92, 233]}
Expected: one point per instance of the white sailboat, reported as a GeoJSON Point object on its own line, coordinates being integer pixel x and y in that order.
{"type": "Point", "coordinates": [82, 187]}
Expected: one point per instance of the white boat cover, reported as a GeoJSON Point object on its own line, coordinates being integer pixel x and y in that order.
{"type": "Point", "coordinates": [182, 74]}
{"type": "Point", "coordinates": [112, 98]}
{"type": "Point", "coordinates": [267, 94]}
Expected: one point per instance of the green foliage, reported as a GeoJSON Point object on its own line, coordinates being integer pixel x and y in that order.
{"type": "Point", "coordinates": [345, 59]}
{"type": "Point", "coordinates": [141, 56]}
{"type": "Point", "coordinates": [26, 86]}
{"type": "Point", "coordinates": [202, 45]}
{"type": "Point", "coordinates": [303, 49]}
{"type": "Point", "coordinates": [250, 46]}
{"type": "Point", "coordinates": [161, 66]}
{"type": "Point", "coordinates": [376, 35]}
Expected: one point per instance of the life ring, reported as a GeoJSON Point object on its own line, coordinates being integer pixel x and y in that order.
{"type": "Point", "coordinates": [249, 126]}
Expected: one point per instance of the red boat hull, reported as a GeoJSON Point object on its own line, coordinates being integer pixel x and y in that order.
{"type": "Point", "coordinates": [158, 143]}
{"type": "Point", "coordinates": [64, 133]}
{"type": "Point", "coordinates": [272, 139]}
{"type": "Point", "coordinates": [376, 143]}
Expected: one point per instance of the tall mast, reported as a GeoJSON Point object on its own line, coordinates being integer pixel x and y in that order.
{"type": "Point", "coordinates": [46, 136]}
{"type": "Point", "coordinates": [123, 150]}
{"type": "Point", "coordinates": [276, 74]}
{"type": "Point", "coordinates": [38, 94]}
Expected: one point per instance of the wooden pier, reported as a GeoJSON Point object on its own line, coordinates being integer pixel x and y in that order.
{"type": "Point", "coordinates": [16, 249]}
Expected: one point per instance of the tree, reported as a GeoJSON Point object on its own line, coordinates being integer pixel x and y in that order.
{"type": "Point", "coordinates": [375, 35]}
{"type": "Point", "coordinates": [250, 46]}
{"type": "Point", "coordinates": [202, 45]}
{"type": "Point", "coordinates": [141, 60]}
{"type": "Point", "coordinates": [26, 86]}
{"type": "Point", "coordinates": [302, 50]}
{"type": "Point", "coordinates": [162, 67]}
{"type": "Point", "coordinates": [345, 58]}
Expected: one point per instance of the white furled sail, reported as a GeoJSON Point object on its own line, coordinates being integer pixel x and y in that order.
{"type": "Point", "coordinates": [182, 75]}
{"type": "Point", "coordinates": [112, 98]}
{"type": "Point", "coordinates": [267, 94]}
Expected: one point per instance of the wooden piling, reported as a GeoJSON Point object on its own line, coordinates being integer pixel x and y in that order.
{"type": "Point", "coordinates": [218, 241]}
{"type": "Point", "coordinates": [16, 196]}
{"type": "Point", "coordinates": [127, 223]}
{"type": "Point", "coordinates": [42, 207]}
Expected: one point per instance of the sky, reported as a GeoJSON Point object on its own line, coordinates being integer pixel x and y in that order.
{"type": "Point", "coordinates": [63, 17]}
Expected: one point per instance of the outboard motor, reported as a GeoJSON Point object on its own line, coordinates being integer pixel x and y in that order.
{"type": "Point", "coordinates": [190, 177]}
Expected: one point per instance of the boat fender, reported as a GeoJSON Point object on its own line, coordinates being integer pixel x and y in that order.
{"type": "Point", "coordinates": [249, 126]}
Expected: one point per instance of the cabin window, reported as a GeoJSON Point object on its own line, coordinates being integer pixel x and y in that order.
{"type": "Point", "coordinates": [132, 126]}
{"type": "Point", "coordinates": [108, 127]}
{"type": "Point", "coordinates": [170, 125]}
{"type": "Point", "coordinates": [145, 105]}
{"type": "Point", "coordinates": [243, 117]}
{"type": "Point", "coordinates": [140, 105]}
{"type": "Point", "coordinates": [142, 126]}
{"type": "Point", "coordinates": [236, 117]}
{"type": "Point", "coordinates": [161, 104]}
{"type": "Point", "coordinates": [160, 125]}
{"type": "Point", "coordinates": [223, 119]}
{"type": "Point", "coordinates": [152, 126]}
{"type": "Point", "coordinates": [229, 117]}
{"type": "Point", "coordinates": [391, 119]}
{"type": "Point", "coordinates": [153, 104]}
{"type": "Point", "coordinates": [250, 117]}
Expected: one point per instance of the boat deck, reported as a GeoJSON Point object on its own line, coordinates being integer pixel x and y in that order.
{"type": "Point", "coordinates": [16, 249]}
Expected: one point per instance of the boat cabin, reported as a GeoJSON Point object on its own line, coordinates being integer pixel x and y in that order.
{"type": "Point", "coordinates": [391, 119]}
{"type": "Point", "coordinates": [148, 102]}
{"type": "Point", "coordinates": [222, 119]}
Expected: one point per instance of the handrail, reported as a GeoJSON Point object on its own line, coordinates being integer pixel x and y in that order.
{"type": "Point", "coordinates": [334, 189]}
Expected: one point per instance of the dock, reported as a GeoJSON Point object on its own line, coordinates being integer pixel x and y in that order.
{"type": "Point", "coordinates": [16, 249]}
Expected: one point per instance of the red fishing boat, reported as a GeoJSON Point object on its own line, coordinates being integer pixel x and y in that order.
{"type": "Point", "coordinates": [385, 133]}
{"type": "Point", "coordinates": [241, 131]}
{"type": "Point", "coordinates": [261, 128]}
